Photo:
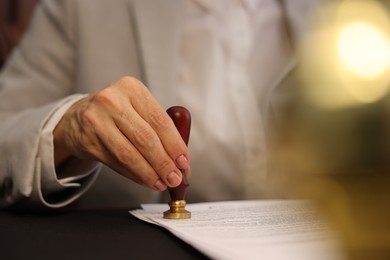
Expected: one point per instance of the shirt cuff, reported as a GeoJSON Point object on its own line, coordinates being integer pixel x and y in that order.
{"type": "Point", "coordinates": [74, 169]}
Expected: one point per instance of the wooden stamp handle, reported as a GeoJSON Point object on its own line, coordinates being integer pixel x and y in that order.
{"type": "Point", "coordinates": [182, 119]}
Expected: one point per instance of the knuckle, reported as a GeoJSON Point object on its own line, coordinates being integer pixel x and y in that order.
{"type": "Point", "coordinates": [129, 82]}
{"type": "Point", "coordinates": [136, 88]}
{"type": "Point", "coordinates": [106, 97]}
{"type": "Point", "coordinates": [159, 120]}
{"type": "Point", "coordinates": [109, 101]}
{"type": "Point", "coordinates": [126, 116]}
{"type": "Point", "coordinates": [124, 156]}
{"type": "Point", "coordinates": [164, 166]}
{"type": "Point", "coordinates": [145, 137]}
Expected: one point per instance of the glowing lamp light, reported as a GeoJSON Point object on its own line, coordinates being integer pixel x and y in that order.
{"type": "Point", "coordinates": [345, 58]}
{"type": "Point", "coordinates": [364, 49]}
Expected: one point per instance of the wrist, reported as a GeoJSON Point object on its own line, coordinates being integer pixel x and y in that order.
{"type": "Point", "coordinates": [61, 153]}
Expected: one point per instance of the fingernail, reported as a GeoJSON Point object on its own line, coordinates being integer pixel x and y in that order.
{"type": "Point", "coordinates": [173, 179]}
{"type": "Point", "coordinates": [159, 185]}
{"type": "Point", "coordinates": [182, 162]}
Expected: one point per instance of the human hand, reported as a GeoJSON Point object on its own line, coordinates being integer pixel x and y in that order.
{"type": "Point", "coordinates": [124, 127]}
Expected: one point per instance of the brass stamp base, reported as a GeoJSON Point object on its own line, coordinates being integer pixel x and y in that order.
{"type": "Point", "coordinates": [177, 210]}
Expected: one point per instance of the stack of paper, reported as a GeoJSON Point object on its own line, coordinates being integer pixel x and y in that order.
{"type": "Point", "coordinates": [250, 229]}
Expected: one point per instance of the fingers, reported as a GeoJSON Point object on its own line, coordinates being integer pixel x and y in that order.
{"type": "Point", "coordinates": [147, 142]}
{"type": "Point", "coordinates": [149, 109]}
{"type": "Point", "coordinates": [121, 155]}
{"type": "Point", "coordinates": [124, 127]}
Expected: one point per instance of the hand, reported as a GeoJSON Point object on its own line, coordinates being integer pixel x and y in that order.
{"type": "Point", "coordinates": [124, 127]}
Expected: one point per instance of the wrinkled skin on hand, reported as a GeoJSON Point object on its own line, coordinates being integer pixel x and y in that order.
{"type": "Point", "coordinates": [124, 127]}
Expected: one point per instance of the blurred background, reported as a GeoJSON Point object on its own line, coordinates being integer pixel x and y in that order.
{"type": "Point", "coordinates": [335, 141]}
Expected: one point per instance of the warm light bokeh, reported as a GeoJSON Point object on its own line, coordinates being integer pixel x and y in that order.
{"type": "Point", "coordinates": [346, 57]}
{"type": "Point", "coordinates": [363, 49]}
{"type": "Point", "coordinates": [335, 143]}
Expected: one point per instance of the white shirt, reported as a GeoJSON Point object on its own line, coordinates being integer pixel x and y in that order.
{"type": "Point", "coordinates": [230, 56]}
{"type": "Point", "coordinates": [227, 142]}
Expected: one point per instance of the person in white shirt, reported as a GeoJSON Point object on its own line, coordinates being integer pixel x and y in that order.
{"type": "Point", "coordinates": [84, 97]}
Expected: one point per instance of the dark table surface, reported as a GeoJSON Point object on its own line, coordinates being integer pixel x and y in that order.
{"type": "Point", "coordinates": [87, 234]}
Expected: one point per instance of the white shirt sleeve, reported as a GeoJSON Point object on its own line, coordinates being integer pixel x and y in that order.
{"type": "Point", "coordinates": [76, 171]}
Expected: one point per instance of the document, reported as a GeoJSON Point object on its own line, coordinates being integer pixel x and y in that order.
{"type": "Point", "coordinates": [265, 229]}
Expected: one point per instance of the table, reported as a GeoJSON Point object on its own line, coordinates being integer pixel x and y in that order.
{"type": "Point", "coordinates": [87, 234]}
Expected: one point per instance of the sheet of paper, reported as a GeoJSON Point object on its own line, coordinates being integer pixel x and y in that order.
{"type": "Point", "coordinates": [251, 229]}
